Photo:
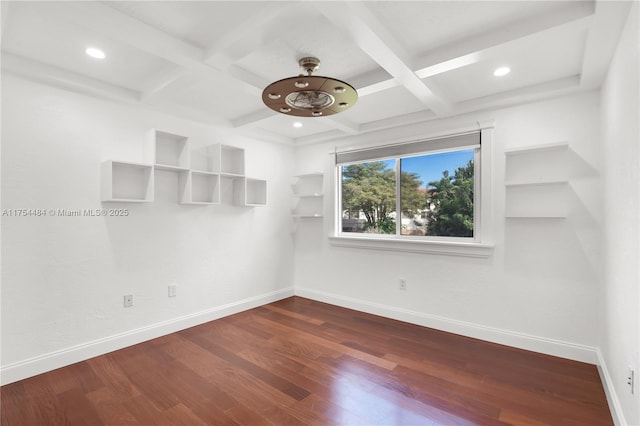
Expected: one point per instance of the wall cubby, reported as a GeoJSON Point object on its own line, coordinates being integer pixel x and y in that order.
{"type": "Point", "coordinates": [249, 192]}
{"type": "Point", "coordinates": [127, 182]}
{"type": "Point", "coordinates": [205, 159]}
{"type": "Point", "coordinates": [205, 174]}
{"type": "Point", "coordinates": [231, 160]}
{"type": "Point", "coordinates": [168, 151]}
{"type": "Point", "coordinates": [308, 192]}
{"type": "Point", "coordinates": [197, 187]}
{"type": "Point", "coordinates": [537, 181]}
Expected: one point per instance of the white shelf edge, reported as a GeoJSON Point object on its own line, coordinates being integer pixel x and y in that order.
{"type": "Point", "coordinates": [126, 200]}
{"type": "Point", "coordinates": [308, 216]}
{"type": "Point", "coordinates": [536, 148]}
{"type": "Point", "coordinates": [231, 175]}
{"type": "Point", "coordinates": [170, 168]}
{"type": "Point", "coordinates": [316, 195]}
{"type": "Point", "coordinates": [538, 183]}
{"type": "Point", "coordinates": [129, 164]}
{"type": "Point", "coordinates": [309, 175]}
{"type": "Point", "coordinates": [204, 172]}
{"type": "Point", "coordinates": [201, 203]}
{"type": "Point", "coordinates": [536, 217]}
{"type": "Point", "coordinates": [106, 181]}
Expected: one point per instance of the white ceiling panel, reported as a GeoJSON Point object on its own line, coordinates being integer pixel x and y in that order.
{"type": "Point", "coordinates": [284, 125]}
{"type": "Point", "coordinates": [538, 59]}
{"type": "Point", "coordinates": [200, 23]}
{"type": "Point", "coordinates": [214, 96]}
{"type": "Point", "coordinates": [410, 60]}
{"type": "Point", "coordinates": [425, 25]}
{"type": "Point", "coordinates": [393, 102]}
{"type": "Point", "coordinates": [309, 34]}
{"type": "Point", "coordinates": [34, 35]}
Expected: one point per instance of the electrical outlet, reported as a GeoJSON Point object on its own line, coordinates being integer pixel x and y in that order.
{"type": "Point", "coordinates": [128, 300]}
{"type": "Point", "coordinates": [402, 284]}
{"type": "Point", "coordinates": [631, 378]}
{"type": "Point", "coordinates": [173, 290]}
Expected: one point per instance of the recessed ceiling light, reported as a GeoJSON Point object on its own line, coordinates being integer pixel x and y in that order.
{"type": "Point", "coordinates": [501, 71]}
{"type": "Point", "coordinates": [95, 53]}
{"type": "Point", "coordinates": [297, 124]}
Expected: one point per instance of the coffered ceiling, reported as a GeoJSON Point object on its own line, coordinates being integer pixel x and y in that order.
{"type": "Point", "coordinates": [410, 61]}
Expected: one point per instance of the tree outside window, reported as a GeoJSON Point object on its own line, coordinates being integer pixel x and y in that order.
{"type": "Point", "coordinates": [436, 195]}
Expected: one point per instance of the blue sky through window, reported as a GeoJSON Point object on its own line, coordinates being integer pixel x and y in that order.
{"type": "Point", "coordinates": [430, 167]}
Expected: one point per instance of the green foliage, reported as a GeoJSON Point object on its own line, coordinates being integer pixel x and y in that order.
{"type": "Point", "coordinates": [370, 188]}
{"type": "Point", "coordinates": [413, 201]}
{"type": "Point", "coordinates": [452, 200]}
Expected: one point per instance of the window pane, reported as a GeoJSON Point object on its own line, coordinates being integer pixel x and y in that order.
{"type": "Point", "coordinates": [369, 197]}
{"type": "Point", "coordinates": [436, 194]}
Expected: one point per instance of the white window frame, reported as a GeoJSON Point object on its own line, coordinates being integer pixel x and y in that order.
{"type": "Point", "coordinates": [480, 245]}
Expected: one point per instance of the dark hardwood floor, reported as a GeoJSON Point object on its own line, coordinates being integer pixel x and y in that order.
{"type": "Point", "coordinates": [297, 361]}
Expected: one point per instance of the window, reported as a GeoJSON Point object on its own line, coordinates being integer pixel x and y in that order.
{"type": "Point", "coordinates": [437, 194]}
{"type": "Point", "coordinates": [425, 191]}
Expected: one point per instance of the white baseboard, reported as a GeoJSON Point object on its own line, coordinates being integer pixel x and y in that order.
{"type": "Point", "coordinates": [609, 390]}
{"type": "Point", "coordinates": [30, 367]}
{"type": "Point", "coordinates": [504, 337]}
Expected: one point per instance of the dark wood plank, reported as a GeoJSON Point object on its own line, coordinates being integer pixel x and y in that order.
{"type": "Point", "coordinates": [301, 362]}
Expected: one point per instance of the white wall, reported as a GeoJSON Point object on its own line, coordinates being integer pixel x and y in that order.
{"type": "Point", "coordinates": [620, 150]}
{"type": "Point", "coordinates": [63, 278]}
{"type": "Point", "coordinates": [540, 288]}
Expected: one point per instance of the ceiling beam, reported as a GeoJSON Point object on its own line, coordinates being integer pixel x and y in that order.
{"type": "Point", "coordinates": [68, 80]}
{"type": "Point", "coordinates": [4, 12]}
{"type": "Point", "coordinates": [377, 42]}
{"type": "Point", "coordinates": [119, 26]}
{"type": "Point", "coordinates": [266, 135]}
{"type": "Point", "coordinates": [547, 90]}
{"type": "Point", "coordinates": [64, 79]}
{"type": "Point", "coordinates": [226, 52]}
{"type": "Point", "coordinates": [467, 51]}
{"type": "Point", "coordinates": [265, 27]}
{"type": "Point", "coordinates": [177, 78]}
{"type": "Point", "coordinates": [560, 87]}
{"type": "Point", "coordinates": [253, 117]}
{"type": "Point", "coordinates": [602, 39]}
{"type": "Point", "coordinates": [338, 123]}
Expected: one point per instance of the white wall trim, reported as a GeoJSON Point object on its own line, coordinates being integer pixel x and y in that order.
{"type": "Point", "coordinates": [543, 345]}
{"type": "Point", "coordinates": [30, 367]}
{"type": "Point", "coordinates": [450, 248]}
{"type": "Point", "coordinates": [612, 397]}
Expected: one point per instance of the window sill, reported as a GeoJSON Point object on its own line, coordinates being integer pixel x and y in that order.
{"type": "Point", "coordinates": [448, 248]}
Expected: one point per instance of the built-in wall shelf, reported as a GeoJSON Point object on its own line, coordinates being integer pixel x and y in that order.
{"type": "Point", "coordinates": [205, 159]}
{"type": "Point", "coordinates": [200, 172]}
{"type": "Point", "coordinates": [167, 151]}
{"type": "Point", "coordinates": [310, 175]}
{"type": "Point", "coordinates": [536, 217]}
{"type": "Point", "coordinates": [200, 188]}
{"type": "Point", "coordinates": [537, 181]}
{"type": "Point", "coordinates": [308, 191]}
{"type": "Point", "coordinates": [314, 195]}
{"type": "Point", "coordinates": [250, 192]}
{"type": "Point", "coordinates": [536, 148]}
{"type": "Point", "coordinates": [127, 182]}
{"type": "Point", "coordinates": [231, 160]}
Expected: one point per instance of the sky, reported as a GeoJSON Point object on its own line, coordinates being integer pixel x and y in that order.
{"type": "Point", "coordinates": [430, 167]}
